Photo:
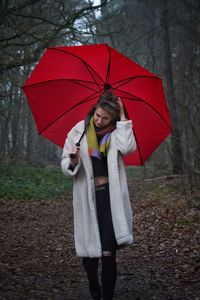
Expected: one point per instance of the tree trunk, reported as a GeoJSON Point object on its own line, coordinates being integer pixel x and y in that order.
{"type": "Point", "coordinates": [16, 105]}
{"type": "Point", "coordinates": [5, 140]}
{"type": "Point", "coordinates": [176, 148]}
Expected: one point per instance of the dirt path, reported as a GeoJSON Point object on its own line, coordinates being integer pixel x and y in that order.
{"type": "Point", "coordinates": [38, 261]}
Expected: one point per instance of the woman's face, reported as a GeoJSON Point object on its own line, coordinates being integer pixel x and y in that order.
{"type": "Point", "coordinates": [101, 117]}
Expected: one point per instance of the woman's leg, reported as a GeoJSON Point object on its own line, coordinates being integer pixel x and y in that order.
{"type": "Point", "coordinates": [91, 268]}
{"type": "Point", "coordinates": [109, 274]}
{"type": "Point", "coordinates": [108, 241]}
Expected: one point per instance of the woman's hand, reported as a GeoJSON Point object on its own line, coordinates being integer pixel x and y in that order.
{"type": "Point", "coordinates": [74, 156]}
{"type": "Point", "coordinates": [122, 113]}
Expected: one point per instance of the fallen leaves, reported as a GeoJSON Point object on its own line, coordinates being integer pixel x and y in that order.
{"type": "Point", "coordinates": [38, 260]}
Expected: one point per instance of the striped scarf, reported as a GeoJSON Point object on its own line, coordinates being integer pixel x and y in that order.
{"type": "Point", "coordinates": [96, 149]}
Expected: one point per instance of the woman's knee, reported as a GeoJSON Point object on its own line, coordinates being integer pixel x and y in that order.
{"type": "Point", "coordinates": [107, 253]}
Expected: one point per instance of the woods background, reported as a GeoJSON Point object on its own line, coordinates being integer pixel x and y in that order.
{"type": "Point", "coordinates": [163, 36]}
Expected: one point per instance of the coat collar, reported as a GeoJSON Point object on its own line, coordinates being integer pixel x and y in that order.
{"type": "Point", "coordinates": [80, 126]}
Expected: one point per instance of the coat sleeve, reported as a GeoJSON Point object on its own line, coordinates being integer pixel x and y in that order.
{"type": "Point", "coordinates": [125, 138]}
{"type": "Point", "coordinates": [65, 162]}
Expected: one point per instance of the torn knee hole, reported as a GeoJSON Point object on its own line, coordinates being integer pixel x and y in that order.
{"type": "Point", "coordinates": [107, 253]}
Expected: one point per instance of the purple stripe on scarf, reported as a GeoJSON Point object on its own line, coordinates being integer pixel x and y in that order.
{"type": "Point", "coordinates": [105, 138]}
{"type": "Point", "coordinates": [95, 153]}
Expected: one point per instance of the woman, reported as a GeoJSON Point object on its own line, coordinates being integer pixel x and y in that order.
{"type": "Point", "coordinates": [102, 209]}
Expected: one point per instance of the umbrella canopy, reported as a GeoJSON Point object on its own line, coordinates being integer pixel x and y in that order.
{"type": "Point", "coordinates": [68, 80]}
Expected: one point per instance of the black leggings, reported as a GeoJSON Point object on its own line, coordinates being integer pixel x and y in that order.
{"type": "Point", "coordinates": [106, 230]}
{"type": "Point", "coordinates": [108, 242]}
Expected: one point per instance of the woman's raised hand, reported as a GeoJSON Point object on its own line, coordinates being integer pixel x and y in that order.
{"type": "Point", "coordinates": [122, 113]}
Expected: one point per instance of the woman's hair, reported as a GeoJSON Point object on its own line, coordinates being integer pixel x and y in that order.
{"type": "Point", "coordinates": [108, 102]}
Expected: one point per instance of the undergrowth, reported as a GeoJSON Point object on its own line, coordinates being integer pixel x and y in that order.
{"type": "Point", "coordinates": [23, 181]}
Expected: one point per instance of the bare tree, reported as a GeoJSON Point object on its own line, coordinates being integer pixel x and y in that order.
{"type": "Point", "coordinates": [27, 27]}
{"type": "Point", "coordinates": [34, 25]}
{"type": "Point", "coordinates": [176, 148]}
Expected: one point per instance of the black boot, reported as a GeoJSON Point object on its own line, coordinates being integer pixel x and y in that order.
{"type": "Point", "coordinates": [91, 268]}
{"type": "Point", "coordinates": [95, 288]}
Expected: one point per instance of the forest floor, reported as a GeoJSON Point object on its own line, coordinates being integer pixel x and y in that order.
{"type": "Point", "coordinates": [38, 261]}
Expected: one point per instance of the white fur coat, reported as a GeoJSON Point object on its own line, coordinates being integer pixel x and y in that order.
{"type": "Point", "coordinates": [87, 239]}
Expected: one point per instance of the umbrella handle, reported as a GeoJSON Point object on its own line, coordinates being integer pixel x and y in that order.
{"type": "Point", "coordinates": [79, 141]}
{"type": "Point", "coordinates": [72, 155]}
{"type": "Point", "coordinates": [87, 120]}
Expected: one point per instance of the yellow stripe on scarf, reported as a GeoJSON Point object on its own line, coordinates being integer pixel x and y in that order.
{"type": "Point", "coordinates": [94, 148]}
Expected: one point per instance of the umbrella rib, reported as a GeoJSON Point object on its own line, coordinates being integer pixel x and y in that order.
{"type": "Point", "coordinates": [84, 62]}
{"type": "Point", "coordinates": [89, 98]}
{"type": "Point", "coordinates": [63, 79]}
{"type": "Point", "coordinates": [82, 81]}
{"type": "Point", "coordinates": [87, 67]}
{"type": "Point", "coordinates": [127, 80]}
{"type": "Point", "coordinates": [141, 160]}
{"type": "Point", "coordinates": [139, 99]}
{"type": "Point", "coordinates": [108, 67]}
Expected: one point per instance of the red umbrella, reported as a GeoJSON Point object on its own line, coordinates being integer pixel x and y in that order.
{"type": "Point", "coordinates": [68, 80]}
